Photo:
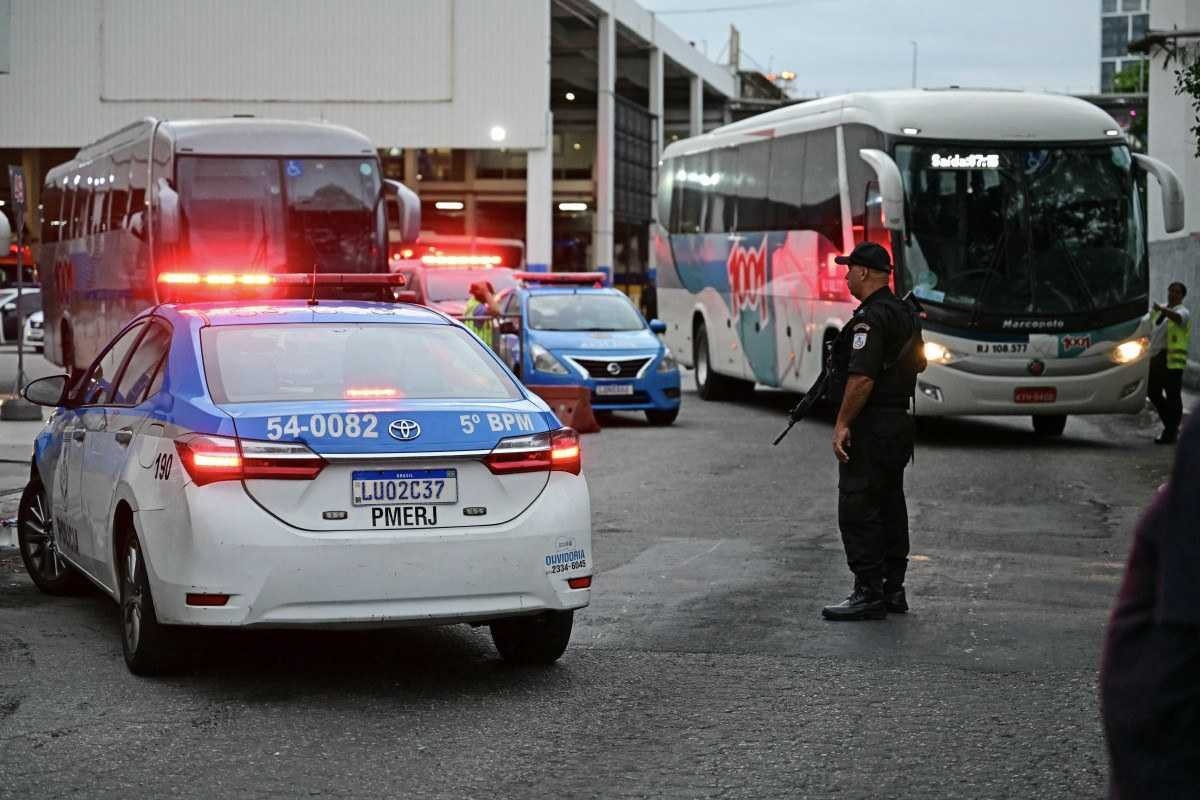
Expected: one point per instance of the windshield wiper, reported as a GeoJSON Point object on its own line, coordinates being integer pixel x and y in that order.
{"type": "Point", "coordinates": [1073, 265]}
{"type": "Point", "coordinates": [1001, 243]}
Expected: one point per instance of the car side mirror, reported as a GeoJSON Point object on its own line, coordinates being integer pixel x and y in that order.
{"type": "Point", "coordinates": [408, 210]}
{"type": "Point", "coordinates": [658, 326]}
{"type": "Point", "coordinates": [49, 391]}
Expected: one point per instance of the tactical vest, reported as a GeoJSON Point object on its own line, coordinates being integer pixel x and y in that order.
{"type": "Point", "coordinates": [1177, 343]}
{"type": "Point", "coordinates": [480, 327]}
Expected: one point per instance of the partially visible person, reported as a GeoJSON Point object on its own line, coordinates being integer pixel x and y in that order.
{"type": "Point", "coordinates": [1168, 360]}
{"type": "Point", "coordinates": [481, 309]}
{"type": "Point", "coordinates": [1150, 673]}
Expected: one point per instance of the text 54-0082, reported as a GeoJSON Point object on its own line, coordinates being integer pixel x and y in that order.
{"type": "Point", "coordinates": [336, 426]}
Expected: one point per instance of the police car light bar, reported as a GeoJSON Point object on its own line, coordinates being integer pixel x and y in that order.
{"type": "Point", "coordinates": [281, 279]}
{"type": "Point", "coordinates": [444, 260]}
{"type": "Point", "coordinates": [562, 278]}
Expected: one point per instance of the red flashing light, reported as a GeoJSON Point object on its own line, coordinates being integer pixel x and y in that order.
{"type": "Point", "coordinates": [209, 459]}
{"type": "Point", "coordinates": [467, 260]}
{"type": "Point", "coordinates": [580, 583]}
{"type": "Point", "coordinates": [562, 278]}
{"type": "Point", "coordinates": [208, 600]}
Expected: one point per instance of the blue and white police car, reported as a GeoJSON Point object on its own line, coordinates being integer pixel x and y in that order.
{"type": "Point", "coordinates": [284, 463]}
{"type": "Point", "coordinates": [566, 329]}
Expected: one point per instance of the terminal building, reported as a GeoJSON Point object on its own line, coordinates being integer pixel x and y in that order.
{"type": "Point", "coordinates": [539, 120]}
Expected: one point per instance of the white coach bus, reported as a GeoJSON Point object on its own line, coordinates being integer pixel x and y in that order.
{"type": "Point", "coordinates": [208, 201]}
{"type": "Point", "coordinates": [1014, 217]}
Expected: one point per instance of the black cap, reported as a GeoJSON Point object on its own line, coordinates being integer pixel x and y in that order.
{"type": "Point", "coordinates": [867, 254]}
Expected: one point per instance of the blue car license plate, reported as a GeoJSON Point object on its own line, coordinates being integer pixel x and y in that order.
{"type": "Point", "coordinates": [389, 487]}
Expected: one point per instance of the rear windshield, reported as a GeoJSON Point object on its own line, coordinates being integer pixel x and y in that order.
{"type": "Point", "coordinates": [372, 361]}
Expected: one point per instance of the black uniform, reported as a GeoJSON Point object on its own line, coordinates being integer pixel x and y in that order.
{"type": "Point", "coordinates": [881, 341]}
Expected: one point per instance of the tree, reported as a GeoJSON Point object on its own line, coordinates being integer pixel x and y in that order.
{"type": "Point", "coordinates": [1187, 82]}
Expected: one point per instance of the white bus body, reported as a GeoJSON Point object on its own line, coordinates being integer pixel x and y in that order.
{"type": "Point", "coordinates": [232, 195]}
{"type": "Point", "coordinates": [1014, 217]}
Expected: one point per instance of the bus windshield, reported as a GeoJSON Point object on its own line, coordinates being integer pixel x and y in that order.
{"type": "Point", "coordinates": [280, 214]}
{"type": "Point", "coordinates": [1031, 231]}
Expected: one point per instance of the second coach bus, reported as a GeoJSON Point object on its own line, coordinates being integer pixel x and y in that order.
{"type": "Point", "coordinates": [1014, 217]}
{"type": "Point", "coordinates": [215, 201]}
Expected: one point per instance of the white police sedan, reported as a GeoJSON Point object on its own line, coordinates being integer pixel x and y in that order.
{"type": "Point", "coordinates": [286, 464]}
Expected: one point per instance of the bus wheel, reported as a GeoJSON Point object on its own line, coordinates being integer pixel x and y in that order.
{"type": "Point", "coordinates": [1049, 424]}
{"type": "Point", "coordinates": [709, 385]}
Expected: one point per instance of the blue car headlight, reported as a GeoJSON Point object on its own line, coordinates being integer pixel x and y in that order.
{"type": "Point", "coordinates": [543, 361]}
{"type": "Point", "coordinates": [667, 363]}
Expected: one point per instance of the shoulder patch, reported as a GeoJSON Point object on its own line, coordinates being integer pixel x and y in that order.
{"type": "Point", "coordinates": [861, 326]}
{"type": "Point", "coordinates": [860, 341]}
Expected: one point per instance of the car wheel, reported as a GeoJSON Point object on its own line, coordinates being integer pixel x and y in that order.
{"type": "Point", "coordinates": [148, 645]}
{"type": "Point", "coordinates": [709, 385]}
{"type": "Point", "coordinates": [533, 640]}
{"type": "Point", "coordinates": [662, 416]}
{"type": "Point", "coordinates": [1049, 424]}
{"type": "Point", "coordinates": [39, 549]}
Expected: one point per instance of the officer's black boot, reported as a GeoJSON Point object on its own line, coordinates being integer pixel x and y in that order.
{"type": "Point", "coordinates": [895, 600]}
{"type": "Point", "coordinates": [865, 602]}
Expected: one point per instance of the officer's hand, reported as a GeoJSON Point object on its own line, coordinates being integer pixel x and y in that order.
{"type": "Point", "coordinates": [841, 444]}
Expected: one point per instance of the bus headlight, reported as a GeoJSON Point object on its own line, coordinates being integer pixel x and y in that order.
{"type": "Point", "coordinates": [937, 354]}
{"type": "Point", "coordinates": [667, 363]}
{"type": "Point", "coordinates": [543, 361]}
{"type": "Point", "coordinates": [1130, 351]}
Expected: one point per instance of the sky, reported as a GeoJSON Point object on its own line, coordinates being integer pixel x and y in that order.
{"type": "Point", "coordinates": [836, 46]}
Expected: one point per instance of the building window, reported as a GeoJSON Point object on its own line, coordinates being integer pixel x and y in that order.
{"type": "Point", "coordinates": [1141, 23]}
{"type": "Point", "coordinates": [1108, 6]}
{"type": "Point", "coordinates": [1114, 36]}
{"type": "Point", "coordinates": [1131, 5]}
{"type": "Point", "coordinates": [442, 164]}
{"type": "Point", "coordinates": [1107, 70]}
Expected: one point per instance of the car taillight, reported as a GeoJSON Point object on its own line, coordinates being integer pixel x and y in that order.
{"type": "Point", "coordinates": [556, 451]}
{"type": "Point", "coordinates": [209, 459]}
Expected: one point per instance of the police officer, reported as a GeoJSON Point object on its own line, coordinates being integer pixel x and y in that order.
{"type": "Point", "coordinates": [876, 359]}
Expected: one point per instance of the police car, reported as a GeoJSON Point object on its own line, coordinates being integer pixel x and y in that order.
{"type": "Point", "coordinates": [281, 463]}
{"type": "Point", "coordinates": [567, 329]}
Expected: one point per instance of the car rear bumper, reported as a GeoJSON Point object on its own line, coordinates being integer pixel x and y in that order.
{"type": "Point", "coordinates": [280, 576]}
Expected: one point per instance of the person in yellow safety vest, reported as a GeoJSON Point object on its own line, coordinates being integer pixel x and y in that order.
{"type": "Point", "coordinates": [1168, 360]}
{"type": "Point", "coordinates": [480, 310]}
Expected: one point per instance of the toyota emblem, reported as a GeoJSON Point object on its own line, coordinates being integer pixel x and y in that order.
{"type": "Point", "coordinates": [613, 368]}
{"type": "Point", "coordinates": [404, 430]}
{"type": "Point", "coordinates": [1036, 367]}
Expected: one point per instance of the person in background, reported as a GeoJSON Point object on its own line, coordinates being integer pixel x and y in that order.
{"type": "Point", "coordinates": [1150, 670]}
{"type": "Point", "coordinates": [1168, 360]}
{"type": "Point", "coordinates": [481, 309]}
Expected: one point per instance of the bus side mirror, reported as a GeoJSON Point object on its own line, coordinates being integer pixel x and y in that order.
{"type": "Point", "coordinates": [409, 207]}
{"type": "Point", "coordinates": [891, 187]}
{"type": "Point", "coordinates": [1172, 191]}
{"type": "Point", "coordinates": [168, 213]}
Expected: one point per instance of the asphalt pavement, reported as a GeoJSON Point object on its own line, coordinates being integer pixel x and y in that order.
{"type": "Point", "coordinates": [702, 667]}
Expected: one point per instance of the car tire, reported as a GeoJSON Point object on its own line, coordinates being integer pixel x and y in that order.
{"type": "Point", "coordinates": [662, 416]}
{"type": "Point", "coordinates": [540, 639]}
{"type": "Point", "coordinates": [39, 550]}
{"type": "Point", "coordinates": [149, 646]}
{"type": "Point", "coordinates": [1049, 424]}
{"type": "Point", "coordinates": [709, 385]}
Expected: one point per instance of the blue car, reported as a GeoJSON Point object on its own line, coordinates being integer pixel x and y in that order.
{"type": "Point", "coordinates": [292, 464]}
{"type": "Point", "coordinates": [563, 329]}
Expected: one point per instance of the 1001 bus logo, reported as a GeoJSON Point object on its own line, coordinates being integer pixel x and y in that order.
{"type": "Point", "coordinates": [747, 270]}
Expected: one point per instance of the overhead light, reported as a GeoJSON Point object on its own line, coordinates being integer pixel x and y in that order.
{"type": "Point", "coordinates": [449, 205]}
{"type": "Point", "coordinates": [393, 151]}
{"type": "Point", "coordinates": [910, 131]}
{"type": "Point", "coordinates": [572, 206]}
{"type": "Point", "coordinates": [1112, 132]}
{"type": "Point", "coordinates": [497, 133]}
{"type": "Point", "coordinates": [576, 146]}
{"type": "Point", "coordinates": [569, 95]}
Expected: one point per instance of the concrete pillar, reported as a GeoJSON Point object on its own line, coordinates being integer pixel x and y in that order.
{"type": "Point", "coordinates": [695, 105]}
{"type": "Point", "coordinates": [539, 206]}
{"type": "Point", "coordinates": [657, 108]}
{"type": "Point", "coordinates": [410, 170]}
{"type": "Point", "coordinates": [470, 209]}
{"type": "Point", "coordinates": [31, 165]}
{"type": "Point", "coordinates": [606, 108]}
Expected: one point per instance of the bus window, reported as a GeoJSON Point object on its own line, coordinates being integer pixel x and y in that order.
{"type": "Point", "coordinates": [83, 194]}
{"type": "Point", "coordinates": [858, 175]}
{"type": "Point", "coordinates": [666, 182]}
{"type": "Point", "coordinates": [754, 164]}
{"type": "Point", "coordinates": [785, 190]}
{"type": "Point", "coordinates": [722, 203]}
{"type": "Point", "coordinates": [99, 219]}
{"type": "Point", "coordinates": [692, 192]}
{"type": "Point", "coordinates": [118, 195]}
{"type": "Point", "coordinates": [139, 170]}
{"type": "Point", "coordinates": [822, 210]}
{"type": "Point", "coordinates": [52, 197]}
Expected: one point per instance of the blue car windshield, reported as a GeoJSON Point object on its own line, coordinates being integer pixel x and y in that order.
{"type": "Point", "coordinates": [583, 312]}
{"type": "Point", "coordinates": [330, 361]}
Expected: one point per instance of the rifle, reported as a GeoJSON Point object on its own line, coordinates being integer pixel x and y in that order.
{"type": "Point", "coordinates": [801, 409]}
